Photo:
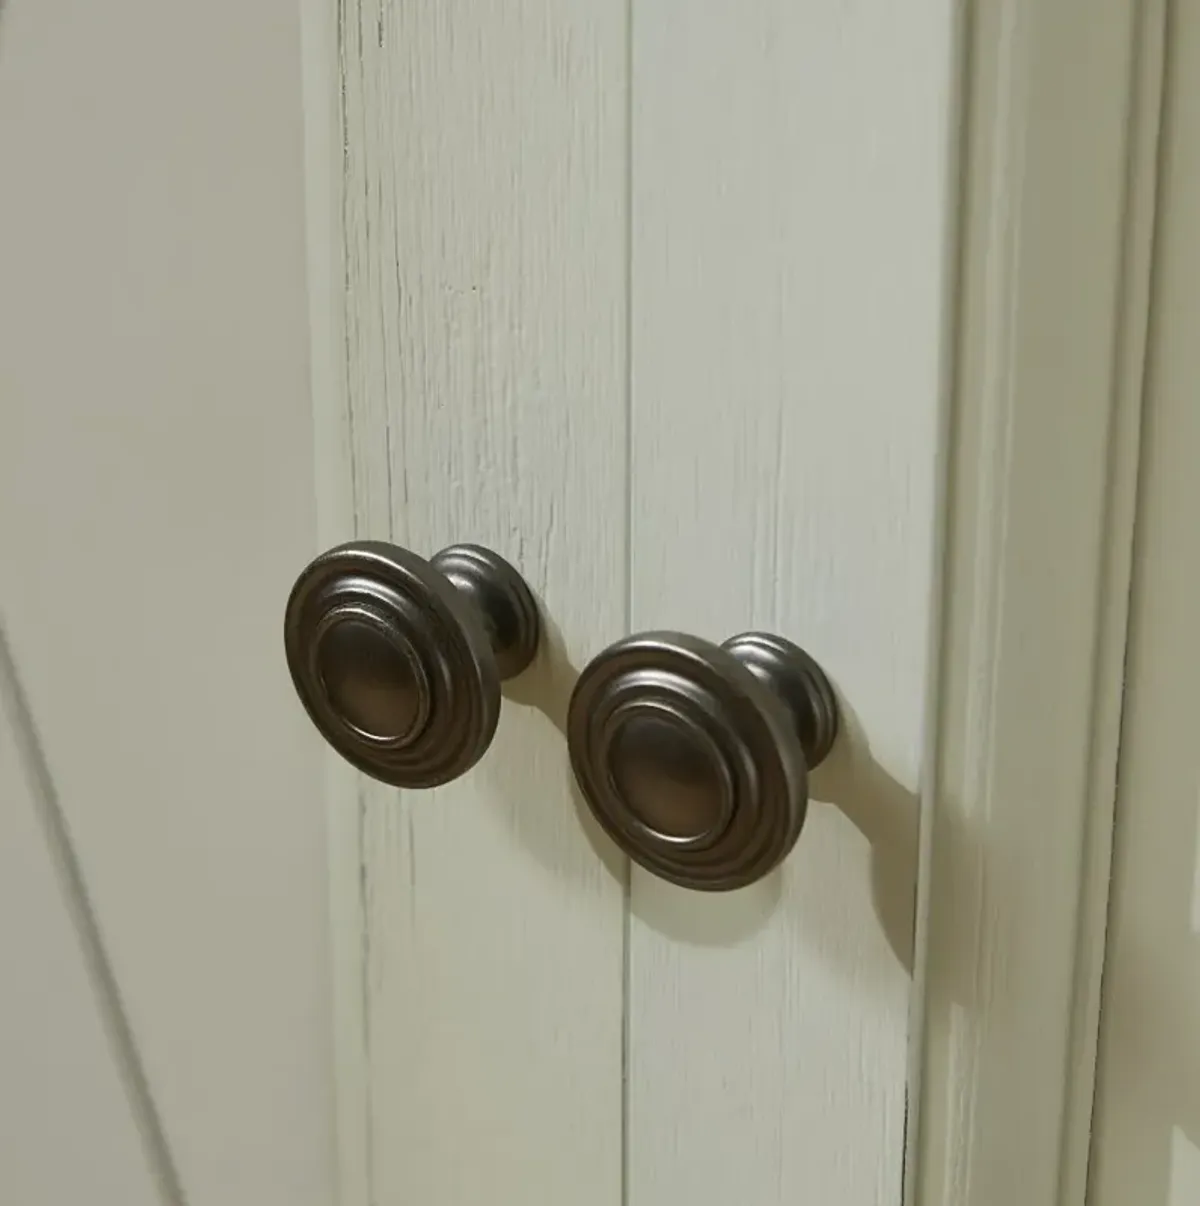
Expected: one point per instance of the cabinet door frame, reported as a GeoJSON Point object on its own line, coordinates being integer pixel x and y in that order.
{"type": "Point", "coordinates": [1060, 105]}
{"type": "Point", "coordinates": [1046, 313]}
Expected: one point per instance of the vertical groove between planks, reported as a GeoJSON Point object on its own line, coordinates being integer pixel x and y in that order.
{"type": "Point", "coordinates": [956, 147]}
{"type": "Point", "coordinates": [630, 536]}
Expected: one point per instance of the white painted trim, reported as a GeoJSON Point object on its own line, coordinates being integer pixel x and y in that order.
{"type": "Point", "coordinates": [1061, 104]}
{"type": "Point", "coordinates": [1146, 103]}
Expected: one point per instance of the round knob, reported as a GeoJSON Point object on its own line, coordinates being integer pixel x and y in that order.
{"type": "Point", "coordinates": [694, 757]}
{"type": "Point", "coordinates": [398, 660]}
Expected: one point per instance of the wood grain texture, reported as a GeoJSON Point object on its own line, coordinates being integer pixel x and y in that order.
{"type": "Point", "coordinates": [789, 184]}
{"type": "Point", "coordinates": [156, 500]}
{"type": "Point", "coordinates": [1057, 196]}
{"type": "Point", "coordinates": [1146, 1132]}
{"type": "Point", "coordinates": [483, 218]}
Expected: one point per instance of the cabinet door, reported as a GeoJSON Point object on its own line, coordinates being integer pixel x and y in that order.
{"type": "Point", "coordinates": [647, 297]}
{"type": "Point", "coordinates": [164, 1025]}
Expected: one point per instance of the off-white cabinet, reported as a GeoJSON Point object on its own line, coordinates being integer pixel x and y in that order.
{"type": "Point", "coordinates": [649, 299]}
{"type": "Point", "coordinates": [707, 316]}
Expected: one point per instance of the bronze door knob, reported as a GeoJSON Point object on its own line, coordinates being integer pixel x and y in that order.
{"type": "Point", "coordinates": [694, 757]}
{"type": "Point", "coordinates": [398, 659]}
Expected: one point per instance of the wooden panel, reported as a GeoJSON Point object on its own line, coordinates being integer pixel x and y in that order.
{"type": "Point", "coordinates": [789, 181]}
{"type": "Point", "coordinates": [67, 1125]}
{"type": "Point", "coordinates": [1146, 1132]}
{"type": "Point", "coordinates": [156, 496]}
{"type": "Point", "coordinates": [485, 269]}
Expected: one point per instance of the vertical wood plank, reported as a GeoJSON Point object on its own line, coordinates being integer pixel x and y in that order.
{"type": "Point", "coordinates": [485, 236]}
{"type": "Point", "coordinates": [789, 176]}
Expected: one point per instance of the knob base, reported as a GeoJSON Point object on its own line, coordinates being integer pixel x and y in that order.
{"type": "Point", "coordinates": [502, 598]}
{"type": "Point", "coordinates": [802, 685]}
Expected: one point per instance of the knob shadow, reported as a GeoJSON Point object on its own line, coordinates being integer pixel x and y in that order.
{"type": "Point", "coordinates": [881, 809]}
{"type": "Point", "coordinates": [850, 780]}
{"type": "Point", "coordinates": [546, 687]}
{"type": "Point", "coordinates": [887, 814]}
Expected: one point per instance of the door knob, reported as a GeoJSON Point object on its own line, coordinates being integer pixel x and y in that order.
{"type": "Point", "coordinates": [398, 660]}
{"type": "Point", "coordinates": [694, 757]}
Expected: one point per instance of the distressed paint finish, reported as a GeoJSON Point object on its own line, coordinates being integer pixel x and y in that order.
{"type": "Point", "coordinates": [789, 209]}
{"type": "Point", "coordinates": [484, 223]}
{"type": "Point", "coordinates": [762, 453]}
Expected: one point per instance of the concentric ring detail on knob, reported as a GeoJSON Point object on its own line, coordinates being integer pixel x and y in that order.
{"type": "Point", "coordinates": [372, 676]}
{"type": "Point", "coordinates": [393, 663]}
{"type": "Point", "coordinates": [688, 760]}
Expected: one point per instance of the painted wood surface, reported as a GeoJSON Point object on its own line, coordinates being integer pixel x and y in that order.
{"type": "Point", "coordinates": [758, 194]}
{"type": "Point", "coordinates": [1058, 168]}
{"type": "Point", "coordinates": [1146, 1133]}
{"type": "Point", "coordinates": [789, 204]}
{"type": "Point", "coordinates": [67, 1121]}
{"type": "Point", "coordinates": [483, 222]}
{"type": "Point", "coordinates": [155, 500]}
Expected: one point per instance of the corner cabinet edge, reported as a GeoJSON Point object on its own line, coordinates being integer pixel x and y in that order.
{"type": "Point", "coordinates": [1060, 107]}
